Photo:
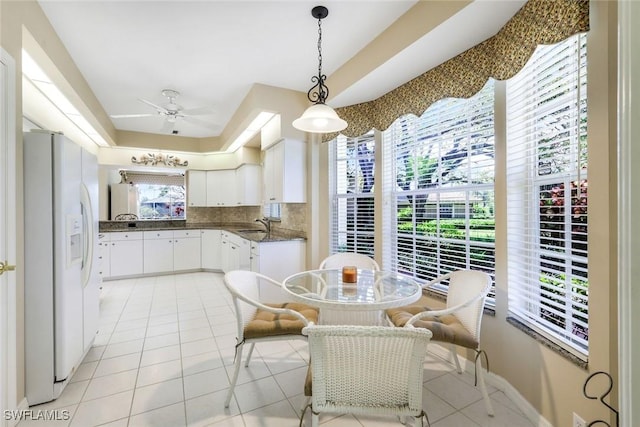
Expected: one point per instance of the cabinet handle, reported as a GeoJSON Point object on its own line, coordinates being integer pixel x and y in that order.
{"type": "Point", "coordinates": [272, 198]}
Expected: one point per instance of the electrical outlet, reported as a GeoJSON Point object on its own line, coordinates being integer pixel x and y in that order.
{"type": "Point", "coordinates": [578, 421]}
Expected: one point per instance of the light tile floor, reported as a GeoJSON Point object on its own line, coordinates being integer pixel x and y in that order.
{"type": "Point", "coordinates": [164, 356]}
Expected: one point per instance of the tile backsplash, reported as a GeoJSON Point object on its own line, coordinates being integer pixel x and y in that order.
{"type": "Point", "coordinates": [240, 214]}
{"type": "Point", "coordinates": [293, 215]}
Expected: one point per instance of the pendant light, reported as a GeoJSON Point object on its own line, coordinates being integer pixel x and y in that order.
{"type": "Point", "coordinates": [319, 118]}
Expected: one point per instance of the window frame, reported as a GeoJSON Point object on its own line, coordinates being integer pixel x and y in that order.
{"type": "Point", "coordinates": [345, 196]}
{"type": "Point", "coordinates": [443, 193]}
{"type": "Point", "coordinates": [539, 296]}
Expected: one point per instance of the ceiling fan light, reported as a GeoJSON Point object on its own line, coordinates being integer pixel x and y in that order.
{"type": "Point", "coordinates": [319, 118]}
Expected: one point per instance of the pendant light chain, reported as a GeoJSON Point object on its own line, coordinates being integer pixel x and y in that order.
{"type": "Point", "coordinates": [319, 93]}
{"type": "Point", "coordinates": [319, 118]}
{"type": "Point", "coordinates": [320, 47]}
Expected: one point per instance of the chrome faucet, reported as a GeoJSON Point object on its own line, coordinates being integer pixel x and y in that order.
{"type": "Point", "coordinates": [266, 222]}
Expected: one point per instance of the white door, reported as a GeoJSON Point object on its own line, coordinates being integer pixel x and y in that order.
{"type": "Point", "coordinates": [7, 235]}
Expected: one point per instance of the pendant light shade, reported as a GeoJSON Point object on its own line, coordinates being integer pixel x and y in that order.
{"type": "Point", "coordinates": [319, 118]}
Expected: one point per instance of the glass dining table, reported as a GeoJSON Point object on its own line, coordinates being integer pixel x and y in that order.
{"type": "Point", "coordinates": [349, 300]}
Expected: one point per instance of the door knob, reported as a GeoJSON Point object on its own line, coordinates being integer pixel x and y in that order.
{"type": "Point", "coordinates": [4, 266]}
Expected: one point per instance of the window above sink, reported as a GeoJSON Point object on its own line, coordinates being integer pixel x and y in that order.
{"type": "Point", "coordinates": [153, 195]}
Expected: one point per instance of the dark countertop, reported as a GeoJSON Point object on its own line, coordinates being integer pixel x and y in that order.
{"type": "Point", "coordinates": [248, 231]}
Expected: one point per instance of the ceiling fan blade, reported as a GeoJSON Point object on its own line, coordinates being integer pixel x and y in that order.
{"type": "Point", "coordinates": [168, 126]}
{"type": "Point", "coordinates": [160, 109]}
{"type": "Point", "coordinates": [200, 122]}
{"type": "Point", "coordinates": [197, 111]}
{"type": "Point", "coordinates": [128, 116]}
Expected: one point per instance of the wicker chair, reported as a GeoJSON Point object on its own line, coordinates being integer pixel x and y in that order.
{"type": "Point", "coordinates": [371, 370]}
{"type": "Point", "coordinates": [341, 259]}
{"type": "Point", "coordinates": [259, 321]}
{"type": "Point", "coordinates": [459, 323]}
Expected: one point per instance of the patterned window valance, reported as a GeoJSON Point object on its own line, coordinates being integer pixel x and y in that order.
{"type": "Point", "coordinates": [501, 57]}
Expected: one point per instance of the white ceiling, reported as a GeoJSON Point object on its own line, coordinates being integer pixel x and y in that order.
{"type": "Point", "coordinates": [213, 51]}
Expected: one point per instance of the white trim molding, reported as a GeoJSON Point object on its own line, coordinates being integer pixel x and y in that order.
{"type": "Point", "coordinates": [628, 208]}
{"type": "Point", "coordinates": [498, 382]}
{"type": "Point", "coordinates": [8, 324]}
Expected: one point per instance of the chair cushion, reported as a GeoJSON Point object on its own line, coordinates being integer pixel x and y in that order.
{"type": "Point", "coordinates": [445, 328]}
{"type": "Point", "coordinates": [266, 323]}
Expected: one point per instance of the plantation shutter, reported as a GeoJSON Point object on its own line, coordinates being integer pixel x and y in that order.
{"type": "Point", "coordinates": [351, 175]}
{"type": "Point", "coordinates": [547, 194]}
{"type": "Point", "coordinates": [439, 176]}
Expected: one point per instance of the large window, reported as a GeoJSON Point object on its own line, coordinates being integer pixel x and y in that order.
{"type": "Point", "coordinates": [352, 202]}
{"type": "Point", "coordinates": [159, 201]}
{"type": "Point", "coordinates": [547, 193]}
{"type": "Point", "coordinates": [439, 179]}
{"type": "Point", "coordinates": [159, 196]}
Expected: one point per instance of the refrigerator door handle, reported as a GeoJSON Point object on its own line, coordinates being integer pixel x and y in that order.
{"type": "Point", "coordinates": [87, 232]}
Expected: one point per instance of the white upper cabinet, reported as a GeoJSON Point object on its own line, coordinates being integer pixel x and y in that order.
{"type": "Point", "coordinates": [249, 185]}
{"type": "Point", "coordinates": [221, 187]}
{"type": "Point", "coordinates": [225, 187]}
{"type": "Point", "coordinates": [197, 188]}
{"type": "Point", "coordinates": [284, 176]}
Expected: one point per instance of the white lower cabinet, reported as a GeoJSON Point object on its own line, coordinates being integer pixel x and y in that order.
{"type": "Point", "coordinates": [279, 259]}
{"type": "Point", "coordinates": [158, 251]}
{"type": "Point", "coordinates": [186, 250]}
{"type": "Point", "coordinates": [136, 253]}
{"type": "Point", "coordinates": [235, 252]}
{"type": "Point", "coordinates": [126, 254]}
{"type": "Point", "coordinates": [244, 248]}
{"type": "Point", "coordinates": [104, 252]}
{"type": "Point", "coordinates": [211, 249]}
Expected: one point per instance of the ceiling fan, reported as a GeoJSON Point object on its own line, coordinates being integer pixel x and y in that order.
{"type": "Point", "coordinates": [172, 112]}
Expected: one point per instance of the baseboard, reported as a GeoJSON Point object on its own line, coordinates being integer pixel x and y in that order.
{"type": "Point", "coordinates": [498, 382]}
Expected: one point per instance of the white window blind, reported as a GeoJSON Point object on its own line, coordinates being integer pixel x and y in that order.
{"type": "Point", "coordinates": [439, 182]}
{"type": "Point", "coordinates": [547, 193]}
{"type": "Point", "coordinates": [271, 210]}
{"type": "Point", "coordinates": [351, 179]}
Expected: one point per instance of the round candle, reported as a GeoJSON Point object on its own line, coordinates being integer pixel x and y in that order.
{"type": "Point", "coordinates": [349, 274]}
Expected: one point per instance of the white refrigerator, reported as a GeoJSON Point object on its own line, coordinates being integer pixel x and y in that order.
{"type": "Point", "coordinates": [62, 286]}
